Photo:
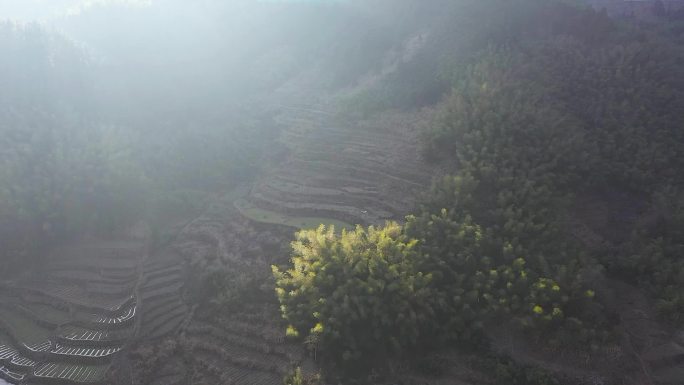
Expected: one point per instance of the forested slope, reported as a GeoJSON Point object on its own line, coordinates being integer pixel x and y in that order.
{"type": "Point", "coordinates": [529, 151]}
{"type": "Point", "coordinates": [561, 138]}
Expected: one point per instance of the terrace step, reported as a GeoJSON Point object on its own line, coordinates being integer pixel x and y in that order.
{"type": "Point", "coordinates": [163, 309]}
{"type": "Point", "coordinates": [80, 374]}
{"type": "Point", "coordinates": [347, 211]}
{"type": "Point", "coordinates": [335, 131]}
{"type": "Point", "coordinates": [94, 265]}
{"type": "Point", "coordinates": [78, 336]}
{"type": "Point", "coordinates": [348, 214]}
{"type": "Point", "coordinates": [356, 166]}
{"type": "Point", "coordinates": [357, 170]}
{"type": "Point", "coordinates": [20, 362]}
{"type": "Point", "coordinates": [87, 276]}
{"type": "Point", "coordinates": [385, 188]}
{"type": "Point", "coordinates": [342, 183]}
{"type": "Point", "coordinates": [332, 129]}
{"type": "Point", "coordinates": [235, 357]}
{"type": "Point", "coordinates": [236, 339]}
{"type": "Point", "coordinates": [82, 353]}
{"type": "Point", "coordinates": [378, 154]}
{"type": "Point", "coordinates": [298, 187]}
{"type": "Point", "coordinates": [157, 264]}
{"type": "Point", "coordinates": [75, 296]}
{"type": "Point", "coordinates": [373, 149]}
{"type": "Point", "coordinates": [172, 289]}
{"type": "Point", "coordinates": [125, 318]}
{"type": "Point", "coordinates": [341, 198]}
{"type": "Point", "coordinates": [160, 281]}
{"type": "Point", "coordinates": [236, 374]}
{"type": "Point", "coordinates": [304, 191]}
{"type": "Point", "coordinates": [164, 324]}
{"type": "Point", "coordinates": [153, 305]}
{"type": "Point", "coordinates": [77, 271]}
{"type": "Point", "coordinates": [385, 151]}
{"type": "Point", "coordinates": [14, 362]}
{"type": "Point", "coordinates": [7, 352]}
{"type": "Point", "coordinates": [273, 336]}
{"type": "Point", "coordinates": [42, 347]}
{"type": "Point", "coordinates": [115, 290]}
{"type": "Point", "coordinates": [105, 253]}
{"type": "Point", "coordinates": [163, 271]}
{"type": "Point", "coordinates": [348, 183]}
{"type": "Point", "coordinates": [90, 323]}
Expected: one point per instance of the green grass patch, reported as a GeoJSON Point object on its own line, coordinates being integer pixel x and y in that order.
{"type": "Point", "coordinates": [266, 216]}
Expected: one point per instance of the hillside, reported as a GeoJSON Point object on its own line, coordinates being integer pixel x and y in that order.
{"type": "Point", "coordinates": [376, 192]}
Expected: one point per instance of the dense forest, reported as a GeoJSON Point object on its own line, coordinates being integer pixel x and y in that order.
{"type": "Point", "coordinates": [345, 192]}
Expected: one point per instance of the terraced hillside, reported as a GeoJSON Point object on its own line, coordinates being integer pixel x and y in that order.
{"type": "Point", "coordinates": [363, 172]}
{"type": "Point", "coordinates": [97, 310]}
{"type": "Point", "coordinates": [163, 309]}
{"type": "Point", "coordinates": [246, 347]}
{"type": "Point", "coordinates": [66, 323]}
{"type": "Point", "coordinates": [241, 343]}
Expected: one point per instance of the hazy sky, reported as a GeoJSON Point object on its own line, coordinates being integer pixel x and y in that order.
{"type": "Point", "coordinates": [42, 10]}
{"type": "Point", "coordinates": [27, 10]}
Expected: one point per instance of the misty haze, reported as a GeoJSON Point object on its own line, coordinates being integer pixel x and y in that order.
{"type": "Point", "coordinates": [311, 192]}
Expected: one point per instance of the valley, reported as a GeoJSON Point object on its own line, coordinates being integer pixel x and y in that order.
{"type": "Point", "coordinates": [387, 192]}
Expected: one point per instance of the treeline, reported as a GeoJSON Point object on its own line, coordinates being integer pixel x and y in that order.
{"type": "Point", "coordinates": [559, 109]}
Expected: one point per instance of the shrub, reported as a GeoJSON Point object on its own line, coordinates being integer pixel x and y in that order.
{"type": "Point", "coordinates": [359, 293]}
